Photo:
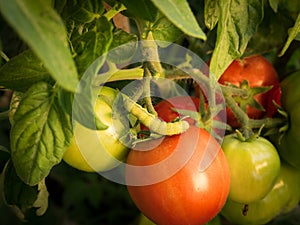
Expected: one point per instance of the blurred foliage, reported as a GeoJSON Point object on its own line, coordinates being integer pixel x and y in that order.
{"type": "Point", "coordinates": [79, 198]}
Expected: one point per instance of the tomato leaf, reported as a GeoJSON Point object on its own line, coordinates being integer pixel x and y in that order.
{"type": "Point", "coordinates": [294, 31]}
{"type": "Point", "coordinates": [91, 51]}
{"type": "Point", "coordinates": [181, 15]}
{"type": "Point", "coordinates": [93, 43]}
{"type": "Point", "coordinates": [211, 13]}
{"type": "Point", "coordinates": [164, 30]}
{"type": "Point", "coordinates": [43, 30]}
{"type": "Point", "coordinates": [143, 9]}
{"type": "Point", "coordinates": [238, 22]}
{"type": "Point", "coordinates": [21, 196]}
{"type": "Point", "coordinates": [40, 133]}
{"type": "Point", "coordinates": [41, 202]}
{"type": "Point", "coordinates": [83, 11]}
{"type": "Point", "coordinates": [78, 13]}
{"type": "Point", "coordinates": [270, 34]}
{"type": "Point", "coordinates": [22, 71]}
{"type": "Point", "coordinates": [90, 48]}
{"type": "Point", "coordinates": [128, 42]}
{"type": "Point", "coordinates": [14, 103]}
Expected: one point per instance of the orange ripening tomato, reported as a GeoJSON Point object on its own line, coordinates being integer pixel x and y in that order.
{"type": "Point", "coordinates": [188, 196]}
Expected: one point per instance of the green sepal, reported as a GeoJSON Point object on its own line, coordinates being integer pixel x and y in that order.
{"type": "Point", "coordinates": [249, 100]}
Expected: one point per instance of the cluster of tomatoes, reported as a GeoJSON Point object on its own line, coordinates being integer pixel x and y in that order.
{"type": "Point", "coordinates": [250, 180]}
{"type": "Point", "coordinates": [265, 174]}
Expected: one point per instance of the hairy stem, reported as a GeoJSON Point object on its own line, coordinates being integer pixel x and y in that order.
{"type": "Point", "coordinates": [113, 11]}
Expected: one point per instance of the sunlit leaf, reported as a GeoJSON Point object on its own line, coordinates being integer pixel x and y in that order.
{"type": "Point", "coordinates": [42, 29]}
{"type": "Point", "coordinates": [40, 133]}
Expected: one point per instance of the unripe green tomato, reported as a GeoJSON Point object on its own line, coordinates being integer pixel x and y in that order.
{"type": "Point", "coordinates": [143, 220]}
{"type": "Point", "coordinates": [283, 197]}
{"type": "Point", "coordinates": [97, 150]}
{"type": "Point", "coordinates": [288, 144]}
{"type": "Point", "coordinates": [215, 221]}
{"type": "Point", "coordinates": [254, 167]}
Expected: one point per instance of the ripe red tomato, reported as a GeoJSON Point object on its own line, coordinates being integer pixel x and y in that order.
{"type": "Point", "coordinates": [259, 72]}
{"type": "Point", "coordinates": [188, 196]}
{"type": "Point", "coordinates": [165, 108]}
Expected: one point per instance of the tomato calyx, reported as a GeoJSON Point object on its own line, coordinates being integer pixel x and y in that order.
{"type": "Point", "coordinates": [239, 98]}
{"type": "Point", "coordinates": [234, 97]}
{"type": "Point", "coordinates": [280, 131]}
{"type": "Point", "coordinates": [248, 100]}
{"type": "Point", "coordinates": [248, 138]}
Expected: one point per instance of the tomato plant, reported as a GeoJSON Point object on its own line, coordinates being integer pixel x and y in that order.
{"type": "Point", "coordinates": [54, 53]}
{"type": "Point", "coordinates": [254, 167]}
{"type": "Point", "coordinates": [97, 150]}
{"type": "Point", "coordinates": [258, 72]}
{"type": "Point", "coordinates": [189, 196]}
{"type": "Point", "coordinates": [283, 197]}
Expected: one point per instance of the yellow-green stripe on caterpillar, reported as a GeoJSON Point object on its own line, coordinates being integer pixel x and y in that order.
{"type": "Point", "coordinates": [152, 122]}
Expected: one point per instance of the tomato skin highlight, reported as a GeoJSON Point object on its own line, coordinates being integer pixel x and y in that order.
{"type": "Point", "coordinates": [254, 167]}
{"type": "Point", "coordinates": [189, 197]}
{"type": "Point", "coordinates": [259, 72]}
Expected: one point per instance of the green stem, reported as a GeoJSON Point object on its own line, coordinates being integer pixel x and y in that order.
{"type": "Point", "coordinates": [233, 90]}
{"type": "Point", "coordinates": [151, 52]}
{"type": "Point", "coordinates": [147, 91]}
{"type": "Point", "coordinates": [117, 75]}
{"type": "Point", "coordinates": [240, 115]}
{"type": "Point", "coordinates": [117, 8]}
{"type": "Point", "coordinates": [267, 122]}
{"type": "Point", "coordinates": [151, 121]}
{"type": "Point", "coordinates": [150, 49]}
